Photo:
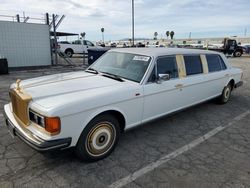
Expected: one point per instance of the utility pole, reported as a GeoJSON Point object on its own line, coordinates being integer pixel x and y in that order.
{"type": "Point", "coordinates": [24, 15]}
{"type": "Point", "coordinates": [190, 35]}
{"type": "Point", "coordinates": [245, 32]}
{"type": "Point", "coordinates": [47, 18]}
{"type": "Point", "coordinates": [18, 18]}
{"type": "Point", "coordinates": [55, 38]}
{"type": "Point", "coordinates": [133, 23]}
{"type": "Point", "coordinates": [51, 42]}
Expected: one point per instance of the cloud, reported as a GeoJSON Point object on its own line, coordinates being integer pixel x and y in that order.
{"type": "Point", "coordinates": [202, 18]}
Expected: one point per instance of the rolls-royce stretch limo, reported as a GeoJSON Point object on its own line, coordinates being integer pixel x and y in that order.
{"type": "Point", "coordinates": [88, 110]}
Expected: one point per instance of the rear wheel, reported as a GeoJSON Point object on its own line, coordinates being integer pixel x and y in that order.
{"type": "Point", "coordinates": [226, 94]}
{"type": "Point", "coordinates": [69, 52]}
{"type": "Point", "coordinates": [98, 139]}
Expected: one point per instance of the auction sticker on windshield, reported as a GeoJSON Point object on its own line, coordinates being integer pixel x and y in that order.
{"type": "Point", "coordinates": [141, 58]}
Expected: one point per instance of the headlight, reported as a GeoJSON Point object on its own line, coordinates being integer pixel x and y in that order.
{"type": "Point", "coordinates": [36, 118]}
{"type": "Point", "coordinates": [50, 124]}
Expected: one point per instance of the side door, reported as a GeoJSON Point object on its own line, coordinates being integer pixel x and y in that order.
{"type": "Point", "coordinates": [217, 73]}
{"type": "Point", "coordinates": [163, 97]}
{"type": "Point", "coordinates": [200, 83]}
{"type": "Point", "coordinates": [195, 82]}
{"type": "Point", "coordinates": [78, 47]}
{"type": "Point", "coordinates": [87, 45]}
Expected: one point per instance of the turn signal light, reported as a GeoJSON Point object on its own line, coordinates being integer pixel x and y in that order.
{"type": "Point", "coordinates": [53, 125]}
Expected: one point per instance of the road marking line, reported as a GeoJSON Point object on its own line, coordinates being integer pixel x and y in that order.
{"type": "Point", "coordinates": [132, 177]}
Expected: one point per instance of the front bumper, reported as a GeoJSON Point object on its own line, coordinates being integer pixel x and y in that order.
{"type": "Point", "coordinates": [240, 83]}
{"type": "Point", "coordinates": [32, 140]}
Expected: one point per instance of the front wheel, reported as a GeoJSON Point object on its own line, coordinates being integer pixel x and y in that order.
{"type": "Point", "coordinates": [226, 94]}
{"type": "Point", "coordinates": [98, 139]}
{"type": "Point", "coordinates": [237, 53]}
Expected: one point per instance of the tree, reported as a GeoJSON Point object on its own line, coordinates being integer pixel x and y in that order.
{"type": "Point", "coordinates": [155, 35]}
{"type": "Point", "coordinates": [102, 30]}
{"type": "Point", "coordinates": [172, 35]}
{"type": "Point", "coordinates": [167, 33]}
{"type": "Point", "coordinates": [83, 35]}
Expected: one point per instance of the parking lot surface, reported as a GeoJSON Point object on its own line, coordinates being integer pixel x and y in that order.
{"type": "Point", "coordinates": [207, 145]}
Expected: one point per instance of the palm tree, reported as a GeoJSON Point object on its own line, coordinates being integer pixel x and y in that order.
{"type": "Point", "coordinates": [83, 35]}
{"type": "Point", "coordinates": [172, 35]}
{"type": "Point", "coordinates": [102, 30]}
{"type": "Point", "coordinates": [155, 34]}
{"type": "Point", "coordinates": [130, 41]}
{"type": "Point", "coordinates": [167, 33]}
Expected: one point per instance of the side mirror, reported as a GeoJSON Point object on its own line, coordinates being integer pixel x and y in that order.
{"type": "Point", "coordinates": [162, 77]}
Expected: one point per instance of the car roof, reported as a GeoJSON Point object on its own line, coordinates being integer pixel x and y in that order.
{"type": "Point", "coordinates": [155, 52]}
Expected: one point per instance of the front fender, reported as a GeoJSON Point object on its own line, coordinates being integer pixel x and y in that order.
{"type": "Point", "coordinates": [102, 110]}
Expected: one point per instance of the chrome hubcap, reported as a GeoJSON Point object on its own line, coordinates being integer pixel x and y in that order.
{"type": "Point", "coordinates": [100, 139]}
{"type": "Point", "coordinates": [227, 93]}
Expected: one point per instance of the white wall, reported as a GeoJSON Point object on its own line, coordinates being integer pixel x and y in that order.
{"type": "Point", "coordinates": [25, 44]}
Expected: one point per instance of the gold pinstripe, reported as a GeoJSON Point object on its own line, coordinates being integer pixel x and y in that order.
{"type": "Point", "coordinates": [204, 64]}
{"type": "Point", "coordinates": [181, 66]}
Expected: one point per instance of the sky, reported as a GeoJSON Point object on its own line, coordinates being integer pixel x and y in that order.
{"type": "Point", "coordinates": [203, 18]}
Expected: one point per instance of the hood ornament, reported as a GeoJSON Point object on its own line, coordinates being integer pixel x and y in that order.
{"type": "Point", "coordinates": [18, 85]}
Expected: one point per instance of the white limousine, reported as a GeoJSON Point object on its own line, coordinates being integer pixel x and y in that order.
{"type": "Point", "coordinates": [89, 110]}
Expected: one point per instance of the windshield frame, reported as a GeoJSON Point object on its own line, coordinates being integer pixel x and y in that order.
{"type": "Point", "coordinates": [136, 54]}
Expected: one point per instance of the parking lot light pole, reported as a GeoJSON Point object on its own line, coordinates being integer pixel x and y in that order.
{"type": "Point", "coordinates": [133, 23]}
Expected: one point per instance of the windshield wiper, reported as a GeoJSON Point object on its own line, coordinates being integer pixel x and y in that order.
{"type": "Point", "coordinates": [91, 70]}
{"type": "Point", "coordinates": [113, 76]}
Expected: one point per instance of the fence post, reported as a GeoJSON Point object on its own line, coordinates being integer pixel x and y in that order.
{"type": "Point", "coordinates": [55, 38]}
{"type": "Point", "coordinates": [84, 58]}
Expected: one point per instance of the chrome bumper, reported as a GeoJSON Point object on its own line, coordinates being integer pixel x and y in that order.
{"type": "Point", "coordinates": [33, 140]}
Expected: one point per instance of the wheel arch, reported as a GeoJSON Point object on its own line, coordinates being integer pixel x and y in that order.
{"type": "Point", "coordinates": [69, 49]}
{"type": "Point", "coordinates": [118, 115]}
{"type": "Point", "coordinates": [114, 112]}
{"type": "Point", "coordinates": [232, 83]}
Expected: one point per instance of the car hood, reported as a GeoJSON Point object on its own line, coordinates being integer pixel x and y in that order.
{"type": "Point", "coordinates": [66, 84]}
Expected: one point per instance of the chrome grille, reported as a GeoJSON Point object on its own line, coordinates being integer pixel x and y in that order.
{"type": "Point", "coordinates": [20, 104]}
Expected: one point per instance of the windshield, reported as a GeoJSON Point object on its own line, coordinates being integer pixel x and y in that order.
{"type": "Point", "coordinates": [125, 65]}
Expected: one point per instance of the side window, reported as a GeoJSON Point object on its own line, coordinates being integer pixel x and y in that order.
{"type": "Point", "coordinates": [167, 65]}
{"type": "Point", "coordinates": [215, 63]}
{"type": "Point", "coordinates": [193, 64]}
{"type": "Point", "coordinates": [77, 42]}
{"type": "Point", "coordinates": [89, 43]}
{"type": "Point", "coordinates": [223, 66]}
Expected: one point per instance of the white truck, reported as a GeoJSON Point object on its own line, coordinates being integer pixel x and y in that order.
{"type": "Point", "coordinates": [75, 47]}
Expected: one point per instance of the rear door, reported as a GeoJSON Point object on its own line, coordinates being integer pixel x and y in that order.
{"type": "Point", "coordinates": [200, 83]}
{"type": "Point", "coordinates": [78, 47]}
{"type": "Point", "coordinates": [194, 84]}
{"type": "Point", "coordinates": [217, 73]}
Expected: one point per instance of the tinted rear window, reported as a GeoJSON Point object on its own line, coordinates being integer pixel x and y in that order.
{"type": "Point", "coordinates": [215, 63]}
{"type": "Point", "coordinates": [193, 64]}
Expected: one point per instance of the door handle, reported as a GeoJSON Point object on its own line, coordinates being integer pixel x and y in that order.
{"type": "Point", "coordinates": [226, 75]}
{"type": "Point", "coordinates": [179, 85]}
